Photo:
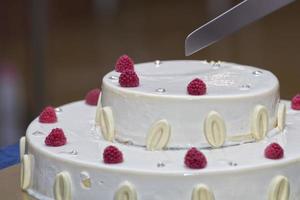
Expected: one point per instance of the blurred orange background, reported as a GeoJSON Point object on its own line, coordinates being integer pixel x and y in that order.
{"type": "Point", "coordinates": [60, 49]}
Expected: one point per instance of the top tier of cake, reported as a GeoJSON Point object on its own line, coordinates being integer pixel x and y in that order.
{"type": "Point", "coordinates": [240, 100]}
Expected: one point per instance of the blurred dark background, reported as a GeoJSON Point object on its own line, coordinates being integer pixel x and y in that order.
{"type": "Point", "coordinates": [53, 52]}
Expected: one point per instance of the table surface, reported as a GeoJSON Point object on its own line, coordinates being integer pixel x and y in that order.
{"type": "Point", "coordinates": [9, 184]}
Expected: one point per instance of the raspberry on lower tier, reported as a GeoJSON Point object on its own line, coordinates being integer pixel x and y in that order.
{"type": "Point", "coordinates": [112, 155]}
{"type": "Point", "coordinates": [195, 159]}
{"type": "Point", "coordinates": [48, 115]}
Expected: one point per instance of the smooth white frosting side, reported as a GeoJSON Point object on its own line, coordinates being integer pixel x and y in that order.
{"type": "Point", "coordinates": [244, 169]}
{"type": "Point", "coordinates": [232, 90]}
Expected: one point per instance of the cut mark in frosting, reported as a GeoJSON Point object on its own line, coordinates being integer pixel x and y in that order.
{"type": "Point", "coordinates": [259, 122]}
{"type": "Point", "coordinates": [215, 129]}
{"type": "Point", "coordinates": [22, 145]}
{"type": "Point", "coordinates": [202, 192]}
{"type": "Point", "coordinates": [281, 116]}
{"type": "Point", "coordinates": [62, 186]}
{"type": "Point", "coordinates": [126, 192]}
{"type": "Point", "coordinates": [107, 125]}
{"type": "Point", "coordinates": [159, 135]}
{"type": "Point", "coordinates": [279, 189]}
{"type": "Point", "coordinates": [85, 180]}
{"type": "Point", "coordinates": [26, 173]}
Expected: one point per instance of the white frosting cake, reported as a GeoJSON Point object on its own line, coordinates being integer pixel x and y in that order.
{"type": "Point", "coordinates": [231, 124]}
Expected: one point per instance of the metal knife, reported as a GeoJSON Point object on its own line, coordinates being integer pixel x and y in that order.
{"type": "Point", "coordinates": [229, 22]}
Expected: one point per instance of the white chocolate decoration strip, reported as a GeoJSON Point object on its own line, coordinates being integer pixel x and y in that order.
{"type": "Point", "coordinates": [279, 189]}
{"type": "Point", "coordinates": [26, 172]}
{"type": "Point", "coordinates": [98, 110]}
{"type": "Point", "coordinates": [158, 136]}
{"type": "Point", "coordinates": [22, 145]}
{"type": "Point", "coordinates": [62, 186]}
{"type": "Point", "coordinates": [259, 122]}
{"type": "Point", "coordinates": [202, 192]}
{"type": "Point", "coordinates": [281, 116]}
{"type": "Point", "coordinates": [107, 124]}
{"type": "Point", "coordinates": [126, 192]}
{"type": "Point", "coordinates": [215, 129]}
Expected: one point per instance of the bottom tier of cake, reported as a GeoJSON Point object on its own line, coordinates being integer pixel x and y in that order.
{"type": "Point", "coordinates": [76, 170]}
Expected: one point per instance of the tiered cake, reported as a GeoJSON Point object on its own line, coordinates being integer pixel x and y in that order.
{"type": "Point", "coordinates": [245, 140]}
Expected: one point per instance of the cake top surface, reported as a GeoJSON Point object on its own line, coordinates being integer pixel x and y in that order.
{"type": "Point", "coordinates": [171, 78]}
{"type": "Point", "coordinates": [85, 146]}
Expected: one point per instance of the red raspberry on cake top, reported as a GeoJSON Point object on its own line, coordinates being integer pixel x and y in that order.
{"type": "Point", "coordinates": [274, 151]}
{"type": "Point", "coordinates": [92, 97]}
{"type": "Point", "coordinates": [196, 87]}
{"type": "Point", "coordinates": [112, 155]}
{"type": "Point", "coordinates": [48, 115]}
{"type": "Point", "coordinates": [56, 138]}
{"type": "Point", "coordinates": [124, 63]}
{"type": "Point", "coordinates": [296, 102]}
{"type": "Point", "coordinates": [129, 79]}
{"type": "Point", "coordinates": [195, 159]}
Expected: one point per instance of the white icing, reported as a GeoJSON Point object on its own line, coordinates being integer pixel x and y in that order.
{"type": "Point", "coordinates": [215, 129]}
{"type": "Point", "coordinates": [281, 116]}
{"type": "Point", "coordinates": [135, 109]}
{"type": "Point", "coordinates": [22, 147]}
{"type": "Point", "coordinates": [202, 192]}
{"type": "Point", "coordinates": [26, 173]}
{"type": "Point", "coordinates": [279, 188]}
{"type": "Point", "coordinates": [159, 135]}
{"type": "Point", "coordinates": [260, 122]}
{"type": "Point", "coordinates": [126, 192]}
{"type": "Point", "coordinates": [232, 173]}
{"type": "Point", "coordinates": [62, 186]}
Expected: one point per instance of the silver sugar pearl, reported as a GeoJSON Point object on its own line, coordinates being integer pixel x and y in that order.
{"type": "Point", "coordinates": [114, 78]}
{"type": "Point", "coordinates": [233, 164]}
{"type": "Point", "coordinates": [160, 90]}
{"type": "Point", "coordinates": [157, 63]}
{"type": "Point", "coordinates": [37, 133]}
{"type": "Point", "coordinates": [72, 152]}
{"type": "Point", "coordinates": [58, 109]}
{"type": "Point", "coordinates": [257, 73]}
{"type": "Point", "coordinates": [160, 164]}
{"type": "Point", "coordinates": [216, 65]}
{"type": "Point", "coordinates": [245, 87]}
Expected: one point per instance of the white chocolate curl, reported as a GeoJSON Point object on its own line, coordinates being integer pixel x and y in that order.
{"type": "Point", "coordinates": [22, 145]}
{"type": "Point", "coordinates": [259, 122]}
{"type": "Point", "coordinates": [107, 124]}
{"type": "Point", "coordinates": [215, 129]}
{"type": "Point", "coordinates": [126, 192]}
{"type": "Point", "coordinates": [281, 116]}
{"type": "Point", "coordinates": [202, 192]}
{"type": "Point", "coordinates": [26, 173]}
{"type": "Point", "coordinates": [279, 189]}
{"type": "Point", "coordinates": [159, 135]}
{"type": "Point", "coordinates": [62, 186]}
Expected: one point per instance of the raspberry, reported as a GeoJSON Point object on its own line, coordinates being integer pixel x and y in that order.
{"type": "Point", "coordinates": [124, 63]}
{"type": "Point", "coordinates": [112, 155]}
{"type": "Point", "coordinates": [129, 79]}
{"type": "Point", "coordinates": [274, 151]}
{"type": "Point", "coordinates": [296, 102]}
{"type": "Point", "coordinates": [195, 159]}
{"type": "Point", "coordinates": [196, 87]}
{"type": "Point", "coordinates": [48, 115]}
{"type": "Point", "coordinates": [56, 138]}
{"type": "Point", "coordinates": [92, 97]}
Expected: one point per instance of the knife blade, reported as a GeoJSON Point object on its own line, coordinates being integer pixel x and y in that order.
{"type": "Point", "coordinates": [229, 22]}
